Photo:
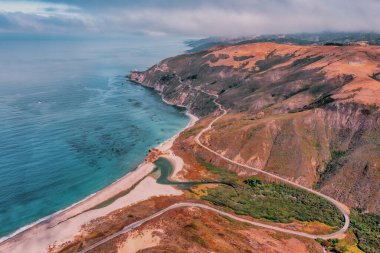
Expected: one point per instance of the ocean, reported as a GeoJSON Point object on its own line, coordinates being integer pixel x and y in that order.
{"type": "Point", "coordinates": [71, 123]}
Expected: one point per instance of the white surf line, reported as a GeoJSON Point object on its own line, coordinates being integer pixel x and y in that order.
{"type": "Point", "coordinates": [342, 208]}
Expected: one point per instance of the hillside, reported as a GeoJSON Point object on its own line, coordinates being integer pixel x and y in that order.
{"type": "Point", "coordinates": [344, 38]}
{"type": "Point", "coordinates": [308, 113]}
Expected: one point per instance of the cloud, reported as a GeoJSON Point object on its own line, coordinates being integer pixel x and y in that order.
{"type": "Point", "coordinates": [194, 18]}
{"type": "Point", "coordinates": [23, 16]}
{"type": "Point", "coordinates": [233, 18]}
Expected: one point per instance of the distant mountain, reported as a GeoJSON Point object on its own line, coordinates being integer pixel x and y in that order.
{"type": "Point", "coordinates": [297, 39]}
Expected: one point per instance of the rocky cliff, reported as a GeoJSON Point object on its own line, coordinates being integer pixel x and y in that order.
{"type": "Point", "coordinates": [309, 113]}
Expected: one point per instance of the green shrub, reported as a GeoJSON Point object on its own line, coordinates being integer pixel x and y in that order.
{"type": "Point", "coordinates": [275, 202]}
{"type": "Point", "coordinates": [222, 174]}
{"type": "Point", "coordinates": [366, 227]}
{"type": "Point", "coordinates": [253, 182]}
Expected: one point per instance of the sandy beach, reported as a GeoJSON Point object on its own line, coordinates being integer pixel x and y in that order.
{"type": "Point", "coordinates": [65, 225]}
{"type": "Point", "coordinates": [140, 240]}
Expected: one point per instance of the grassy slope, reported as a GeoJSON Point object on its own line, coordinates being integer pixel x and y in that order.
{"type": "Point", "coordinates": [275, 202]}
{"type": "Point", "coordinates": [366, 227]}
{"type": "Point", "coordinates": [281, 203]}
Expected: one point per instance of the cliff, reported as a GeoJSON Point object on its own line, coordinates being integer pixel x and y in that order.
{"type": "Point", "coordinates": [309, 113]}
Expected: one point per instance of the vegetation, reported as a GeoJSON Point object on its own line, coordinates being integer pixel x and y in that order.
{"type": "Point", "coordinates": [243, 58]}
{"type": "Point", "coordinates": [306, 61]}
{"type": "Point", "coordinates": [253, 182]}
{"type": "Point", "coordinates": [333, 245]}
{"type": "Point", "coordinates": [291, 94]}
{"type": "Point", "coordinates": [275, 202]}
{"type": "Point", "coordinates": [369, 109]}
{"type": "Point", "coordinates": [331, 166]}
{"type": "Point", "coordinates": [334, 44]}
{"type": "Point", "coordinates": [366, 227]}
{"type": "Point", "coordinates": [221, 173]}
{"type": "Point", "coordinates": [252, 131]}
{"type": "Point", "coordinates": [336, 154]}
{"type": "Point", "coordinates": [271, 201]}
{"type": "Point", "coordinates": [375, 76]}
{"type": "Point", "coordinates": [363, 235]}
{"type": "Point", "coordinates": [192, 131]}
{"type": "Point", "coordinates": [192, 77]}
{"type": "Point", "coordinates": [191, 232]}
{"type": "Point", "coordinates": [272, 60]}
{"type": "Point", "coordinates": [167, 78]}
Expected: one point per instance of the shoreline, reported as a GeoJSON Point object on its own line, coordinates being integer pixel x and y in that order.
{"type": "Point", "coordinates": [22, 235]}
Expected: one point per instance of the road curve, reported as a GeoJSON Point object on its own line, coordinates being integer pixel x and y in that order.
{"type": "Point", "coordinates": [184, 204]}
{"type": "Point", "coordinates": [342, 208]}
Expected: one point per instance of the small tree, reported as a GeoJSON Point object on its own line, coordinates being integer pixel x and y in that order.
{"type": "Point", "coordinates": [253, 182]}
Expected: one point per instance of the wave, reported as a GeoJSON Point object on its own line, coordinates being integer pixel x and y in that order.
{"type": "Point", "coordinates": [192, 119]}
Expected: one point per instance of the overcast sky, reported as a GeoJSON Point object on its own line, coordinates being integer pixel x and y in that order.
{"type": "Point", "coordinates": [188, 17]}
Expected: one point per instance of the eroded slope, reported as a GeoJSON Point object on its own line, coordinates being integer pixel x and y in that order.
{"type": "Point", "coordinates": [309, 113]}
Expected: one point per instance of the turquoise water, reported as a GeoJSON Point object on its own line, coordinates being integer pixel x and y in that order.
{"type": "Point", "coordinates": [70, 122]}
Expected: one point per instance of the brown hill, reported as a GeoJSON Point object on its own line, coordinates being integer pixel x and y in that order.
{"type": "Point", "coordinates": [309, 113]}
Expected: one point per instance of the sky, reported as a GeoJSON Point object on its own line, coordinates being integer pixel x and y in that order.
{"type": "Point", "coordinates": [197, 18]}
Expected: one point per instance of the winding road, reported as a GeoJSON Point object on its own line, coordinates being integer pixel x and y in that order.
{"type": "Point", "coordinates": [342, 208]}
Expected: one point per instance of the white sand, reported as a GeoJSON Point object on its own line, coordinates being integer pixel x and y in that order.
{"type": "Point", "coordinates": [167, 145]}
{"type": "Point", "coordinates": [60, 228]}
{"type": "Point", "coordinates": [40, 237]}
{"type": "Point", "coordinates": [177, 163]}
{"type": "Point", "coordinates": [63, 226]}
{"type": "Point", "coordinates": [140, 240]}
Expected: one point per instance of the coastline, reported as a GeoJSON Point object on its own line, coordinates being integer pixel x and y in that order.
{"type": "Point", "coordinates": [41, 234]}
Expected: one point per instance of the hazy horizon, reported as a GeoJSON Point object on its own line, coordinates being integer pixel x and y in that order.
{"type": "Point", "coordinates": [197, 18]}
